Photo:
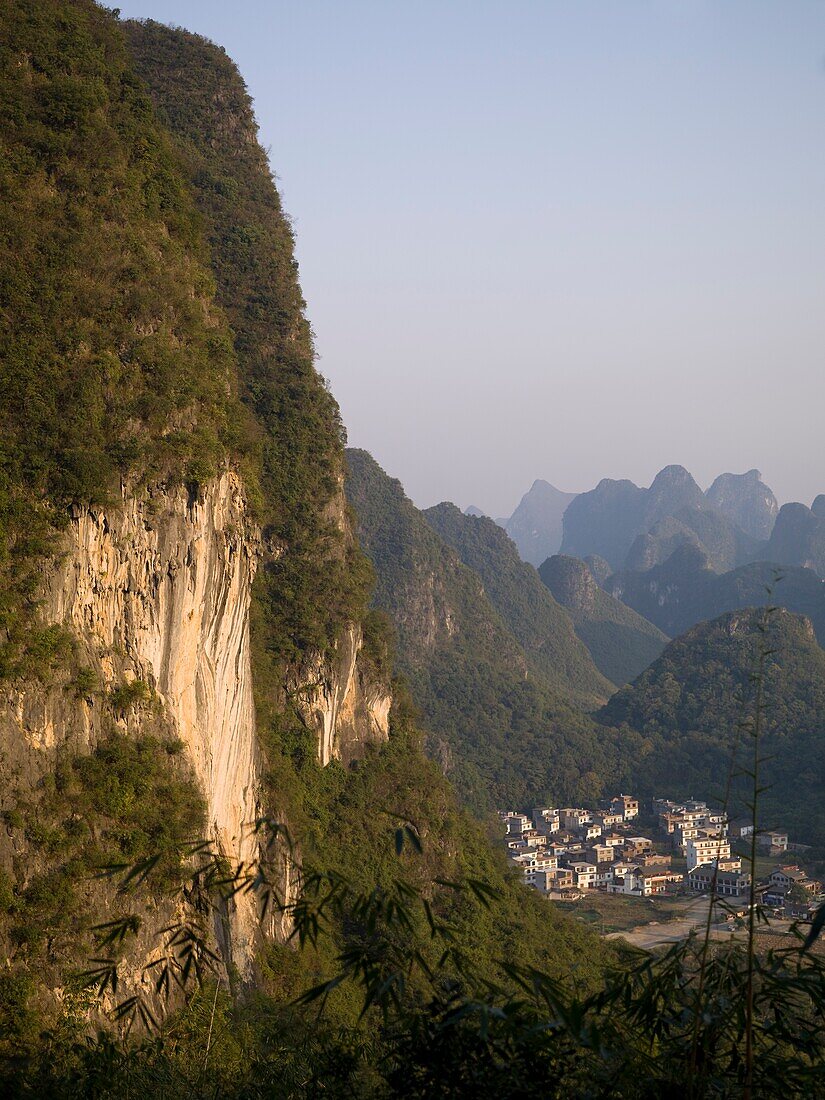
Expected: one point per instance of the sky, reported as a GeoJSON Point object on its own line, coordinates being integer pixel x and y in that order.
{"type": "Point", "coordinates": [553, 240]}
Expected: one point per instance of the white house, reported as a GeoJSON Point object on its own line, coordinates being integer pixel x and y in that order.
{"type": "Point", "coordinates": [585, 875]}
{"type": "Point", "coordinates": [705, 848]}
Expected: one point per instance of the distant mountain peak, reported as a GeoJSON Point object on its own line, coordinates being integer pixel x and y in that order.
{"type": "Point", "coordinates": [746, 500]}
{"type": "Point", "coordinates": [798, 536]}
{"type": "Point", "coordinates": [673, 475]}
{"type": "Point", "coordinates": [536, 524]}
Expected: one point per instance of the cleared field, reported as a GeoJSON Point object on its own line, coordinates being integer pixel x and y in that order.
{"type": "Point", "coordinates": [619, 913]}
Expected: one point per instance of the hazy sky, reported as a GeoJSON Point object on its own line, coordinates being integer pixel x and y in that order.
{"type": "Point", "coordinates": [562, 240]}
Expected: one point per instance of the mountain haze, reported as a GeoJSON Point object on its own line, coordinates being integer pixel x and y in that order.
{"type": "Point", "coordinates": [798, 536]}
{"type": "Point", "coordinates": [747, 500]}
{"type": "Point", "coordinates": [606, 520]}
{"type": "Point", "coordinates": [633, 528]}
{"type": "Point", "coordinates": [536, 524]}
{"type": "Point", "coordinates": [684, 591]}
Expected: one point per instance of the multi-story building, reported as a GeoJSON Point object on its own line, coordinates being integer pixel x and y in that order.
{"type": "Point", "coordinates": [584, 874]}
{"type": "Point", "coordinates": [604, 874]}
{"type": "Point", "coordinates": [642, 881]}
{"type": "Point", "coordinates": [731, 880]}
{"type": "Point", "coordinates": [546, 820]}
{"type": "Point", "coordinates": [608, 819]}
{"type": "Point", "coordinates": [559, 880]}
{"type": "Point", "coordinates": [671, 814]}
{"type": "Point", "coordinates": [626, 805]}
{"type": "Point", "coordinates": [614, 840]}
{"type": "Point", "coordinates": [575, 817]}
{"type": "Point", "coordinates": [684, 831]}
{"type": "Point", "coordinates": [532, 863]}
{"type": "Point", "coordinates": [516, 824]}
{"type": "Point", "coordinates": [773, 842]}
{"type": "Point", "coordinates": [786, 877]}
{"type": "Point", "coordinates": [635, 845]}
{"type": "Point", "coordinates": [534, 839]}
{"type": "Point", "coordinates": [653, 859]}
{"type": "Point", "coordinates": [600, 853]}
{"type": "Point", "coordinates": [706, 848]}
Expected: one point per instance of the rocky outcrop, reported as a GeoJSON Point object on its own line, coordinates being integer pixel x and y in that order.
{"type": "Point", "coordinates": [599, 568]}
{"type": "Point", "coordinates": [571, 582]}
{"type": "Point", "coordinates": [746, 500]}
{"type": "Point", "coordinates": [156, 592]}
{"type": "Point", "coordinates": [345, 708]}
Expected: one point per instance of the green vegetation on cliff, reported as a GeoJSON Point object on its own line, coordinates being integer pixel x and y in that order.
{"type": "Point", "coordinates": [158, 333]}
{"type": "Point", "coordinates": [348, 820]}
{"type": "Point", "coordinates": [132, 368]}
{"type": "Point", "coordinates": [129, 801]}
{"type": "Point", "coordinates": [314, 577]}
{"type": "Point", "coordinates": [114, 359]}
{"type": "Point", "coordinates": [271, 1044]}
{"type": "Point", "coordinates": [153, 321]}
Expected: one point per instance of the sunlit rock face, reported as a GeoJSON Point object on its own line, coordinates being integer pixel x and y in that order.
{"type": "Point", "coordinates": [157, 589]}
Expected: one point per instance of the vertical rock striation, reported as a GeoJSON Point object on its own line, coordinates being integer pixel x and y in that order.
{"type": "Point", "coordinates": [158, 590]}
{"type": "Point", "coordinates": [342, 705]}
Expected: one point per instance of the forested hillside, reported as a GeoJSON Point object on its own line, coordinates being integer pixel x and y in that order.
{"type": "Point", "coordinates": [228, 868]}
{"type": "Point", "coordinates": [539, 624]}
{"type": "Point", "coordinates": [684, 591]}
{"type": "Point", "coordinates": [690, 706]}
{"type": "Point", "coordinates": [502, 733]}
{"type": "Point", "coordinates": [621, 642]}
{"type": "Point", "coordinates": [314, 579]}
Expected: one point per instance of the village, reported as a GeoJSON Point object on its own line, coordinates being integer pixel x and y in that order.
{"type": "Point", "coordinates": [686, 849]}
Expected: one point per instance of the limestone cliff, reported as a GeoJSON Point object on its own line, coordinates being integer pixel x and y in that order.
{"type": "Point", "coordinates": [156, 591]}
